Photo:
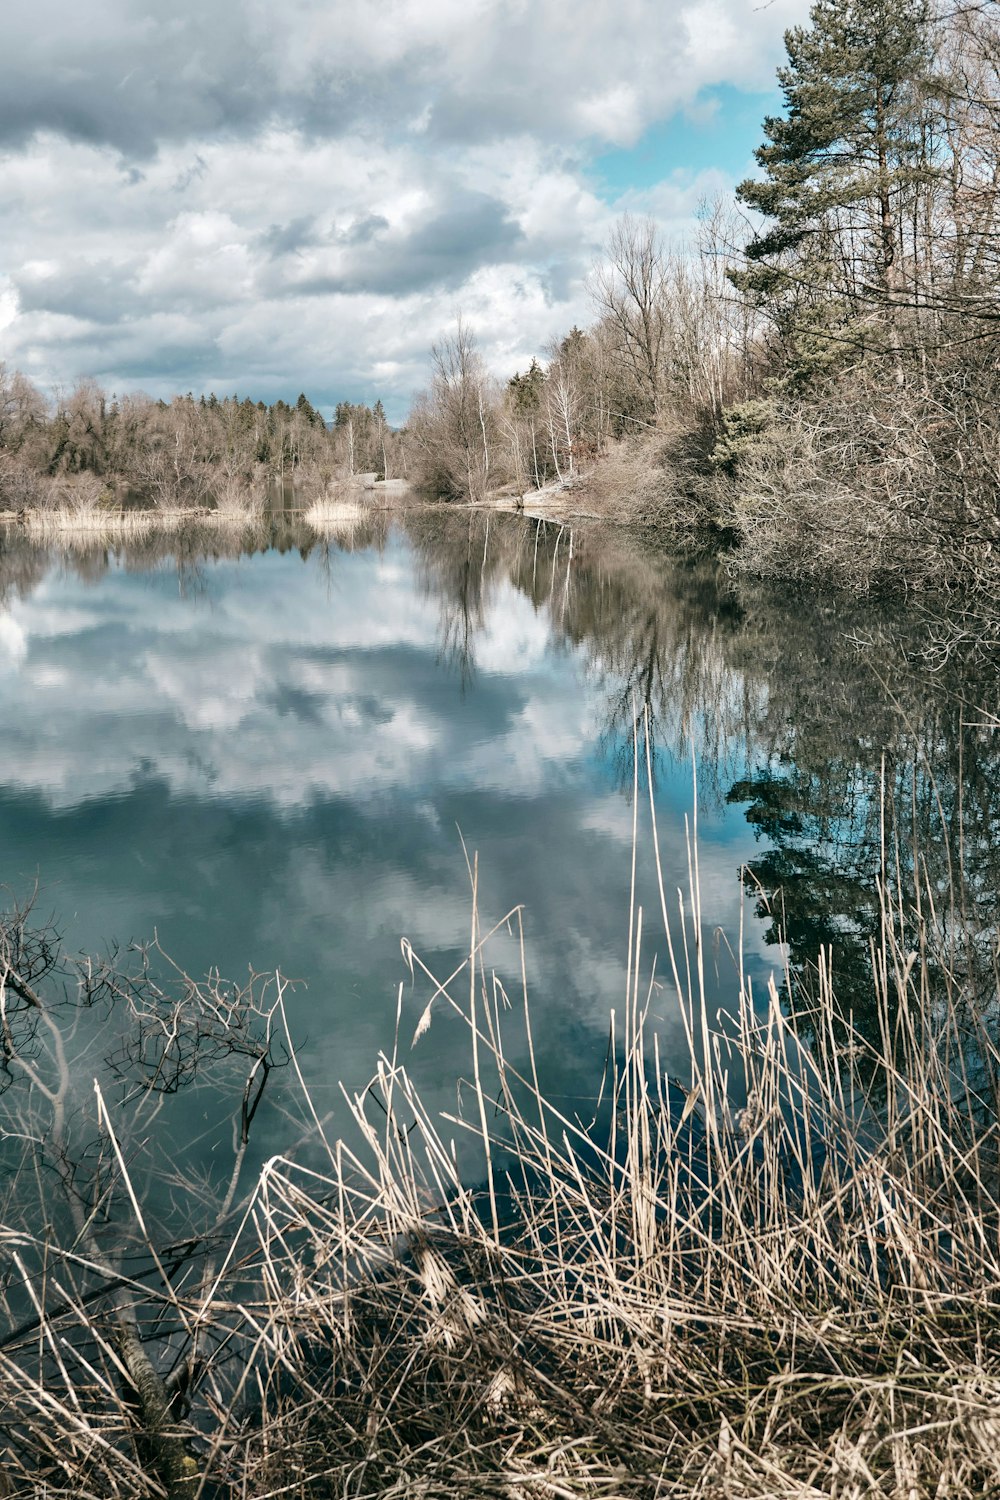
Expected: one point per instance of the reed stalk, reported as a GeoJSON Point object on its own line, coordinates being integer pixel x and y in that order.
{"type": "Point", "coordinates": [775, 1275]}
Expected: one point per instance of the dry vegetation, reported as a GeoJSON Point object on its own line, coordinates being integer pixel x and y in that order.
{"type": "Point", "coordinates": [333, 511]}
{"type": "Point", "coordinates": [87, 456]}
{"type": "Point", "coordinates": [777, 1276]}
{"type": "Point", "coordinates": [874, 488]}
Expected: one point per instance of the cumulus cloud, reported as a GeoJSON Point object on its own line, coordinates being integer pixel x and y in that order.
{"type": "Point", "coordinates": [121, 73]}
{"type": "Point", "coordinates": [438, 251]}
{"type": "Point", "coordinates": [223, 195]}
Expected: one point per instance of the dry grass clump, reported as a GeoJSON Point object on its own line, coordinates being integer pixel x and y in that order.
{"type": "Point", "coordinates": [334, 511]}
{"type": "Point", "coordinates": [652, 479]}
{"type": "Point", "coordinates": [112, 526]}
{"type": "Point", "coordinates": [797, 1297]}
{"type": "Point", "coordinates": [777, 1278]}
{"type": "Point", "coordinates": [340, 507]}
{"type": "Point", "coordinates": [77, 499]}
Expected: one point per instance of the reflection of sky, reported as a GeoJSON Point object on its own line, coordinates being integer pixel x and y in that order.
{"type": "Point", "coordinates": [275, 770]}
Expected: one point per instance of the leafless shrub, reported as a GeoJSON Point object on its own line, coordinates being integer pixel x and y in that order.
{"type": "Point", "coordinates": [877, 487]}
{"type": "Point", "coordinates": [21, 486]}
{"type": "Point", "coordinates": [653, 480]}
{"type": "Point", "coordinates": [90, 1302]}
{"type": "Point", "coordinates": [238, 494]}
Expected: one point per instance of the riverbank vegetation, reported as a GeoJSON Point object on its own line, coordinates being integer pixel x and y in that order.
{"type": "Point", "coordinates": [773, 1276]}
{"type": "Point", "coordinates": [815, 378]}
{"type": "Point", "coordinates": [89, 457]}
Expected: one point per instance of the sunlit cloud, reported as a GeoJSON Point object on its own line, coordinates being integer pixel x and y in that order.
{"type": "Point", "coordinates": [203, 198]}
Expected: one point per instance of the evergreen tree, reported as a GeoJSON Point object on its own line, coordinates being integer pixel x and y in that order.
{"type": "Point", "coordinates": [842, 168]}
{"type": "Point", "coordinates": [308, 412]}
{"type": "Point", "coordinates": [526, 390]}
{"type": "Point", "coordinates": [572, 347]}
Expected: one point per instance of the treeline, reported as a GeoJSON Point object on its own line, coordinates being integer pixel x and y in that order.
{"type": "Point", "coordinates": [818, 376]}
{"type": "Point", "coordinates": [89, 448]}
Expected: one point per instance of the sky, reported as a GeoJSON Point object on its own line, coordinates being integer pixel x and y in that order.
{"type": "Point", "coordinates": [244, 197]}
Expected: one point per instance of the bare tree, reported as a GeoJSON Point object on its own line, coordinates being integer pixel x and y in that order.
{"type": "Point", "coordinates": [456, 424]}
{"type": "Point", "coordinates": [21, 406]}
{"type": "Point", "coordinates": [628, 288]}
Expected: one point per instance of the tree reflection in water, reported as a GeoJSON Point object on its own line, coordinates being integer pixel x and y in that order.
{"type": "Point", "coordinates": [870, 772]}
{"type": "Point", "coordinates": [868, 766]}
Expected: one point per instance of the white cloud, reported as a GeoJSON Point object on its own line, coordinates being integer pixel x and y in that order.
{"type": "Point", "coordinates": [613, 115]}
{"type": "Point", "coordinates": [202, 197]}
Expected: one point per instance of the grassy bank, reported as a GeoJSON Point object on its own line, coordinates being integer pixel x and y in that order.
{"type": "Point", "coordinates": [774, 1276]}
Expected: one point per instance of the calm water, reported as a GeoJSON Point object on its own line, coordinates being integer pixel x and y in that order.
{"type": "Point", "coordinates": [272, 757]}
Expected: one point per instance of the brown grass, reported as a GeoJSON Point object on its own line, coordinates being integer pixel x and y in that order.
{"type": "Point", "coordinates": [775, 1277]}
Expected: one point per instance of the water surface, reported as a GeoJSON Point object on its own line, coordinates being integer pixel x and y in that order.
{"type": "Point", "coordinates": [283, 752]}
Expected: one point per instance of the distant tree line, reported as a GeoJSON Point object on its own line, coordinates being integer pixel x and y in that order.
{"type": "Point", "coordinates": [188, 451]}
{"type": "Point", "coordinates": [823, 365]}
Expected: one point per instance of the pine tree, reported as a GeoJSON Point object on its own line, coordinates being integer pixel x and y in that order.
{"type": "Point", "coordinates": [842, 168]}
{"type": "Point", "coordinates": [526, 390]}
{"type": "Point", "coordinates": [308, 412]}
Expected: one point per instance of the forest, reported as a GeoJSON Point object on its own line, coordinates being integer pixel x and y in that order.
{"type": "Point", "coordinates": [89, 451]}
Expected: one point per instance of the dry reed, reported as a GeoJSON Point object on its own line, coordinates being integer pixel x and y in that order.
{"type": "Point", "coordinates": [776, 1277]}
{"type": "Point", "coordinates": [115, 525]}
{"type": "Point", "coordinates": [339, 510]}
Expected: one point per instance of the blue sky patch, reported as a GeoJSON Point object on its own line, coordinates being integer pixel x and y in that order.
{"type": "Point", "coordinates": [720, 131]}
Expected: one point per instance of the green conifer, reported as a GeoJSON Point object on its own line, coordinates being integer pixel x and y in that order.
{"type": "Point", "coordinates": [842, 165]}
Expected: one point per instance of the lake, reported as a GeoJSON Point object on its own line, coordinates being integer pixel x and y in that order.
{"type": "Point", "coordinates": [279, 753]}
